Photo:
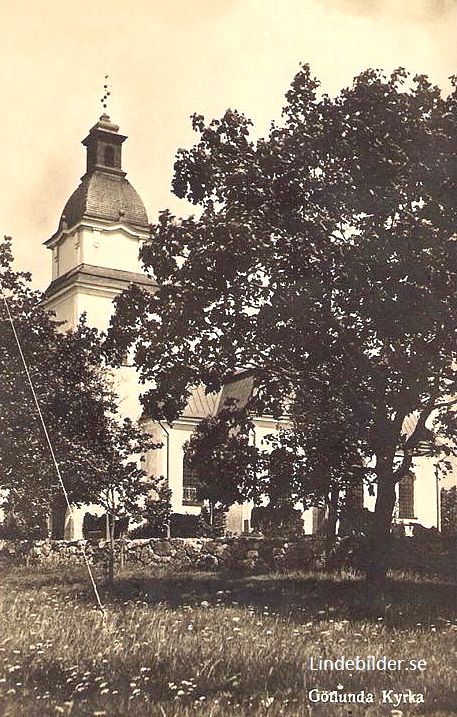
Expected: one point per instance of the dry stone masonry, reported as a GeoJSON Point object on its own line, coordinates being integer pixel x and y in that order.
{"type": "Point", "coordinates": [246, 554]}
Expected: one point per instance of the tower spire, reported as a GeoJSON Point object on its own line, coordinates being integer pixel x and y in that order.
{"type": "Point", "coordinates": [104, 99]}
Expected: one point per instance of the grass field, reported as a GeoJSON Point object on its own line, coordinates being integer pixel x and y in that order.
{"type": "Point", "coordinates": [175, 645]}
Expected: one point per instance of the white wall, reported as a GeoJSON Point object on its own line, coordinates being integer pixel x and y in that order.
{"type": "Point", "coordinates": [111, 247]}
{"type": "Point", "coordinates": [114, 248]}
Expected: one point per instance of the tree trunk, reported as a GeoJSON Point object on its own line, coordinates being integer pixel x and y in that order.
{"type": "Point", "coordinates": [122, 554]}
{"type": "Point", "coordinates": [110, 576]}
{"type": "Point", "coordinates": [379, 543]}
{"type": "Point", "coordinates": [58, 514]}
{"type": "Point", "coordinates": [332, 519]}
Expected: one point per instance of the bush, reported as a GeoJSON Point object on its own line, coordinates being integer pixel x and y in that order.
{"type": "Point", "coordinates": [184, 526]}
{"type": "Point", "coordinates": [24, 526]}
{"type": "Point", "coordinates": [449, 511]}
{"type": "Point", "coordinates": [157, 512]}
{"type": "Point", "coordinates": [211, 524]}
{"type": "Point", "coordinates": [277, 521]}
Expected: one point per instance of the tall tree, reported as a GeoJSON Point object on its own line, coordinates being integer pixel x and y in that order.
{"type": "Point", "coordinates": [220, 450]}
{"type": "Point", "coordinates": [118, 482]}
{"type": "Point", "coordinates": [323, 260]}
{"type": "Point", "coordinates": [77, 402]}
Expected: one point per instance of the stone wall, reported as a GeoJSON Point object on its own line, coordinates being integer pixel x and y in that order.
{"type": "Point", "coordinates": [245, 553]}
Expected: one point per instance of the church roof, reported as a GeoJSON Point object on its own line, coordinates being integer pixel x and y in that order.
{"type": "Point", "coordinates": [102, 195]}
{"type": "Point", "coordinates": [239, 387]}
{"type": "Point", "coordinates": [202, 405]}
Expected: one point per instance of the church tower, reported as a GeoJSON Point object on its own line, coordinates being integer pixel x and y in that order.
{"type": "Point", "coordinates": [95, 248]}
{"type": "Point", "coordinates": [95, 256]}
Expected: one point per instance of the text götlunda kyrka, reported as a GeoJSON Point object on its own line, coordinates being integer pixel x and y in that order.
{"type": "Point", "coordinates": [366, 664]}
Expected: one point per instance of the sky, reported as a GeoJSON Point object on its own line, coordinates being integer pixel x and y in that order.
{"type": "Point", "coordinates": [167, 60]}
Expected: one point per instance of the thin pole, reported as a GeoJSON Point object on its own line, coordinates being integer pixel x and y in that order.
{"type": "Point", "coordinates": [167, 434]}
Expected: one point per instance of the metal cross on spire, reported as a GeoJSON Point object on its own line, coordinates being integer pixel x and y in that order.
{"type": "Point", "coordinates": [106, 94]}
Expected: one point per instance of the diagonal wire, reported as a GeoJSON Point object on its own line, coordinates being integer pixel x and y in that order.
{"type": "Point", "coordinates": [51, 450]}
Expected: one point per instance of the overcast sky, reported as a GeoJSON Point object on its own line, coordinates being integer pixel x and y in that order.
{"type": "Point", "coordinates": [167, 59]}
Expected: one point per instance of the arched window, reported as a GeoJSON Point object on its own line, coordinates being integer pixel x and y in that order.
{"type": "Point", "coordinates": [109, 156]}
{"type": "Point", "coordinates": [406, 497]}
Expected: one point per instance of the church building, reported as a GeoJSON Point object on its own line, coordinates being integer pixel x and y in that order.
{"type": "Point", "coordinates": [95, 256]}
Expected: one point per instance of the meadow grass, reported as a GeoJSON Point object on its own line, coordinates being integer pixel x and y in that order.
{"type": "Point", "coordinates": [208, 645]}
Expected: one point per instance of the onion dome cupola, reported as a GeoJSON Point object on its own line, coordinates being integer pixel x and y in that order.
{"type": "Point", "coordinates": [104, 192]}
{"type": "Point", "coordinates": [95, 250]}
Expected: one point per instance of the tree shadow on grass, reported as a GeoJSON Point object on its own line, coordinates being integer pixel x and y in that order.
{"type": "Point", "coordinates": [409, 601]}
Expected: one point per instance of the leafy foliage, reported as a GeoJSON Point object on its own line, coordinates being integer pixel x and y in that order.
{"type": "Point", "coordinates": [278, 521]}
{"type": "Point", "coordinates": [449, 511]}
{"type": "Point", "coordinates": [220, 451]}
{"type": "Point", "coordinates": [211, 522]}
{"type": "Point", "coordinates": [323, 260]}
{"type": "Point", "coordinates": [156, 512]}
{"type": "Point", "coordinates": [93, 447]}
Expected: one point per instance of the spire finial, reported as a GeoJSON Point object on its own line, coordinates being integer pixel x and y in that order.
{"type": "Point", "coordinates": [106, 94]}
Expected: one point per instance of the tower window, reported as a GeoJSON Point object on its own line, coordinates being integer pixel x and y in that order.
{"type": "Point", "coordinates": [406, 497]}
{"type": "Point", "coordinates": [109, 156]}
